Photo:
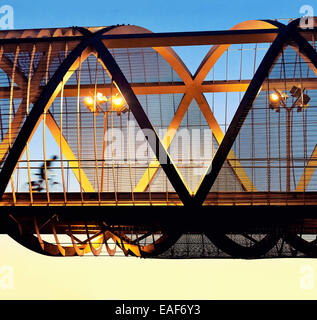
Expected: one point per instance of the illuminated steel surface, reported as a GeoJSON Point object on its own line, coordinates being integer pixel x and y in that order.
{"type": "Point", "coordinates": [219, 163]}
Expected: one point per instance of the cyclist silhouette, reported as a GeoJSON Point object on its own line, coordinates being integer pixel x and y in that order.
{"type": "Point", "coordinates": [39, 185]}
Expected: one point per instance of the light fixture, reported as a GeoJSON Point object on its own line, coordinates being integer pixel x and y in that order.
{"type": "Point", "coordinates": [296, 92]}
{"type": "Point", "coordinates": [95, 105]}
{"type": "Point", "coordinates": [118, 104]}
{"type": "Point", "coordinates": [302, 98]}
{"type": "Point", "coordinates": [117, 101]}
{"type": "Point", "coordinates": [101, 98]}
{"type": "Point", "coordinates": [276, 98]}
{"type": "Point", "coordinates": [89, 103]}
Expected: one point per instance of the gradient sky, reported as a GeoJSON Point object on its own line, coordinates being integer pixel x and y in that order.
{"type": "Point", "coordinates": [158, 16]}
{"type": "Point", "coordinates": [37, 277]}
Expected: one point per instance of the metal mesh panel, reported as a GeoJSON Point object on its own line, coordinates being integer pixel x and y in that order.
{"type": "Point", "coordinates": [118, 164]}
{"type": "Point", "coordinates": [24, 72]}
{"type": "Point", "coordinates": [192, 148]}
{"type": "Point", "coordinates": [199, 246]}
{"type": "Point", "coordinates": [275, 146]}
{"type": "Point", "coordinates": [144, 65]}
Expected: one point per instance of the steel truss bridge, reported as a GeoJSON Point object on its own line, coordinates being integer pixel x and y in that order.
{"type": "Point", "coordinates": [109, 145]}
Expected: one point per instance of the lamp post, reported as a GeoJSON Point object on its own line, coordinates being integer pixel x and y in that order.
{"type": "Point", "coordinates": [113, 104]}
{"type": "Point", "coordinates": [278, 99]}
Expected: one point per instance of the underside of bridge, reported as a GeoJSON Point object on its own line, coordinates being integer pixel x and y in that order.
{"type": "Point", "coordinates": [110, 145]}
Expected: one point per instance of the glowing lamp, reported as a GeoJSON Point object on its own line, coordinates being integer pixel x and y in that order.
{"type": "Point", "coordinates": [89, 103]}
{"type": "Point", "coordinates": [101, 98]}
{"type": "Point", "coordinates": [274, 97]}
{"type": "Point", "coordinates": [117, 102]}
{"type": "Point", "coordinates": [275, 101]}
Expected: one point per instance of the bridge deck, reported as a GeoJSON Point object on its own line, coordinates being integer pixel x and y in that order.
{"type": "Point", "coordinates": [160, 198]}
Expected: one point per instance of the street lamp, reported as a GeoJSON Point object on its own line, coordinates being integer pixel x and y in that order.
{"type": "Point", "coordinates": [278, 99]}
{"type": "Point", "coordinates": [117, 104]}
{"type": "Point", "coordinates": [105, 105]}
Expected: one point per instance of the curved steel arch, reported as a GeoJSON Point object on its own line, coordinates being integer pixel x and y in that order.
{"type": "Point", "coordinates": [48, 95]}
{"type": "Point", "coordinates": [143, 121]}
{"type": "Point", "coordinates": [22, 81]}
{"type": "Point", "coordinates": [220, 239]}
{"type": "Point", "coordinates": [36, 244]}
{"type": "Point", "coordinates": [285, 34]}
{"type": "Point", "coordinates": [50, 92]}
{"type": "Point", "coordinates": [25, 84]}
{"type": "Point", "coordinates": [202, 71]}
{"type": "Point", "coordinates": [180, 68]}
{"type": "Point", "coordinates": [217, 50]}
{"type": "Point", "coordinates": [193, 92]}
{"type": "Point", "coordinates": [257, 249]}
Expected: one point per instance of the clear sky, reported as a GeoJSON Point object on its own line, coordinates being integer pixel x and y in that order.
{"type": "Point", "coordinates": [158, 16]}
{"type": "Point", "coordinates": [36, 276]}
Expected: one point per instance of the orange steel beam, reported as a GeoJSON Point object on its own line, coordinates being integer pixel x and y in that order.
{"type": "Point", "coordinates": [68, 153]}
{"type": "Point", "coordinates": [308, 172]}
{"type": "Point", "coordinates": [217, 51]}
{"type": "Point", "coordinates": [236, 167]}
{"type": "Point", "coordinates": [172, 87]}
{"type": "Point", "coordinates": [62, 142]}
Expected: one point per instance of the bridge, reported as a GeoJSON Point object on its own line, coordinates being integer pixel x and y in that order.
{"type": "Point", "coordinates": [110, 145]}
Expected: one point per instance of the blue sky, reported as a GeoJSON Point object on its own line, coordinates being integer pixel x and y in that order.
{"type": "Point", "coordinates": [158, 16]}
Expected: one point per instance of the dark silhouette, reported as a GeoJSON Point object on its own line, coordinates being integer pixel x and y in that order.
{"type": "Point", "coordinates": [40, 184]}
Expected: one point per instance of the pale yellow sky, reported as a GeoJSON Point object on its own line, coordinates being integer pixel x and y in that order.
{"type": "Point", "coordinates": [39, 277]}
